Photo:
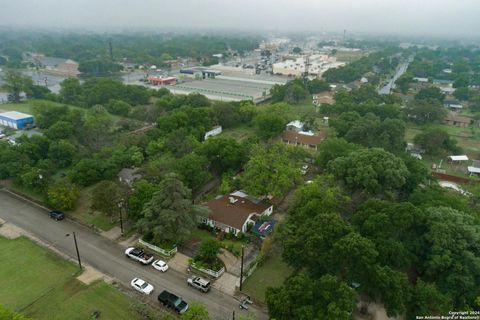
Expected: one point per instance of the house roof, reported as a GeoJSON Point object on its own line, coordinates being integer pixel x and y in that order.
{"type": "Point", "coordinates": [302, 137]}
{"type": "Point", "coordinates": [234, 214]}
{"type": "Point", "coordinates": [453, 117]}
{"type": "Point", "coordinates": [296, 123]}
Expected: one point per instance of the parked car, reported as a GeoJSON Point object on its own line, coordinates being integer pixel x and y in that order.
{"type": "Point", "coordinates": [160, 265]}
{"type": "Point", "coordinates": [141, 286]}
{"type": "Point", "coordinates": [138, 254]}
{"type": "Point", "coordinates": [199, 283]}
{"type": "Point", "coordinates": [57, 215]}
{"type": "Point", "coordinates": [172, 301]}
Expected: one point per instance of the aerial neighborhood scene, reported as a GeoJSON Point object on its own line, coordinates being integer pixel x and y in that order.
{"type": "Point", "coordinates": [249, 160]}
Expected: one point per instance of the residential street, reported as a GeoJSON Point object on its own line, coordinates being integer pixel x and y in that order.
{"type": "Point", "coordinates": [108, 256]}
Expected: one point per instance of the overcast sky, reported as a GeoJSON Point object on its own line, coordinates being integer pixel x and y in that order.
{"type": "Point", "coordinates": [422, 17]}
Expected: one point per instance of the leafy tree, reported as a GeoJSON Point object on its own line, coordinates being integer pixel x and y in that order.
{"type": "Point", "coordinates": [40, 92]}
{"type": "Point", "coordinates": [436, 141]}
{"type": "Point", "coordinates": [269, 125]}
{"type": "Point", "coordinates": [106, 196]}
{"type": "Point", "coordinates": [197, 100]}
{"type": "Point", "coordinates": [193, 170]}
{"type": "Point", "coordinates": [452, 255]}
{"type": "Point", "coordinates": [47, 114]}
{"type": "Point", "coordinates": [142, 193]}
{"type": "Point", "coordinates": [60, 130]}
{"type": "Point", "coordinates": [223, 154]}
{"type": "Point", "coordinates": [429, 94]}
{"type": "Point", "coordinates": [373, 171]}
{"type": "Point", "coordinates": [428, 300]}
{"type": "Point", "coordinates": [404, 81]}
{"type": "Point", "coordinates": [426, 111]}
{"type": "Point", "coordinates": [333, 148]}
{"type": "Point", "coordinates": [317, 86]}
{"type": "Point", "coordinates": [270, 171]}
{"type": "Point", "coordinates": [297, 50]}
{"type": "Point", "coordinates": [62, 195]}
{"type": "Point", "coordinates": [15, 83]}
{"type": "Point", "coordinates": [302, 297]}
{"type": "Point", "coordinates": [62, 152]}
{"type": "Point", "coordinates": [226, 114]}
{"type": "Point", "coordinates": [97, 125]}
{"type": "Point", "coordinates": [118, 107]}
{"type": "Point", "coordinates": [170, 215]}
{"type": "Point", "coordinates": [295, 93]}
{"type": "Point", "coordinates": [463, 93]}
{"type": "Point", "coordinates": [71, 91]}
{"type": "Point", "coordinates": [207, 253]}
{"type": "Point", "coordinates": [196, 311]}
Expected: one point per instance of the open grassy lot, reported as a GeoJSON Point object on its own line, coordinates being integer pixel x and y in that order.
{"type": "Point", "coordinates": [42, 285]}
{"type": "Point", "coordinates": [238, 133]}
{"type": "Point", "coordinates": [28, 271]}
{"type": "Point", "coordinates": [202, 235]}
{"type": "Point", "coordinates": [75, 300]}
{"type": "Point", "coordinates": [271, 273]}
{"type": "Point", "coordinates": [84, 214]}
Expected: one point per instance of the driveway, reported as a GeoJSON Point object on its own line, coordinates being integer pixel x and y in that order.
{"type": "Point", "coordinates": [108, 256]}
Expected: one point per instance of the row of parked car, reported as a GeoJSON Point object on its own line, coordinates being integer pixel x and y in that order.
{"type": "Point", "coordinates": [168, 299]}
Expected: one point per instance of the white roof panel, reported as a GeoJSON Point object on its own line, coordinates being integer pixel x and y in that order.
{"type": "Point", "coordinates": [15, 115]}
{"type": "Point", "coordinates": [458, 158]}
{"type": "Point", "coordinates": [473, 169]}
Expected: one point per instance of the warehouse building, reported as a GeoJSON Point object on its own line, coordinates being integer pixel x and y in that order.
{"type": "Point", "coordinates": [16, 120]}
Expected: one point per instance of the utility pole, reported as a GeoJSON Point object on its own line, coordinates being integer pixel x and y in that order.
{"type": "Point", "coordinates": [120, 207]}
{"type": "Point", "coordinates": [241, 271]}
{"type": "Point", "coordinates": [76, 248]}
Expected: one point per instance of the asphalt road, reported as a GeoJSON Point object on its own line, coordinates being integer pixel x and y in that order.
{"type": "Point", "coordinates": [108, 257]}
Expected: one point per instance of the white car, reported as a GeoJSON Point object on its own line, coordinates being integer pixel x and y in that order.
{"type": "Point", "coordinates": [160, 265]}
{"type": "Point", "coordinates": [141, 286]}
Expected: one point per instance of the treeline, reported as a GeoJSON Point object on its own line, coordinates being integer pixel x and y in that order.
{"type": "Point", "coordinates": [92, 50]}
{"type": "Point", "coordinates": [298, 90]}
{"type": "Point", "coordinates": [381, 62]}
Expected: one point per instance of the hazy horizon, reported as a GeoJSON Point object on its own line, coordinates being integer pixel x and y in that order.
{"type": "Point", "coordinates": [408, 17]}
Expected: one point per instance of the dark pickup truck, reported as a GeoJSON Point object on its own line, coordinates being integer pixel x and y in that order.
{"type": "Point", "coordinates": [172, 301]}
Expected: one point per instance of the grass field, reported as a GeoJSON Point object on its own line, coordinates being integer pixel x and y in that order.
{"type": "Point", "coordinates": [271, 273]}
{"type": "Point", "coordinates": [42, 285]}
{"type": "Point", "coordinates": [238, 133]}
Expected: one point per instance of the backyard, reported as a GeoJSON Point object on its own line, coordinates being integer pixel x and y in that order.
{"type": "Point", "coordinates": [46, 287]}
{"type": "Point", "coordinates": [271, 273]}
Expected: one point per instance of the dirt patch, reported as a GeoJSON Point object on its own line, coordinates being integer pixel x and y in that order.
{"type": "Point", "coordinates": [10, 231]}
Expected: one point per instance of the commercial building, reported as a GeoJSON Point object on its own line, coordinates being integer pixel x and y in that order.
{"type": "Point", "coordinates": [16, 120]}
{"type": "Point", "coordinates": [317, 65]}
{"type": "Point", "coordinates": [160, 81]}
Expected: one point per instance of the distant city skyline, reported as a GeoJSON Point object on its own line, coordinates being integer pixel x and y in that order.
{"type": "Point", "coordinates": [408, 17]}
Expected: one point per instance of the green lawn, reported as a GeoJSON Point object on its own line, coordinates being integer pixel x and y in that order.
{"type": "Point", "coordinates": [238, 133]}
{"type": "Point", "coordinates": [271, 273]}
{"type": "Point", "coordinates": [42, 285]}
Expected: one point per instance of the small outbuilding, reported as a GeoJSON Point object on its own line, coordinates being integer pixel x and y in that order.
{"type": "Point", "coordinates": [16, 120]}
{"type": "Point", "coordinates": [457, 159]}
